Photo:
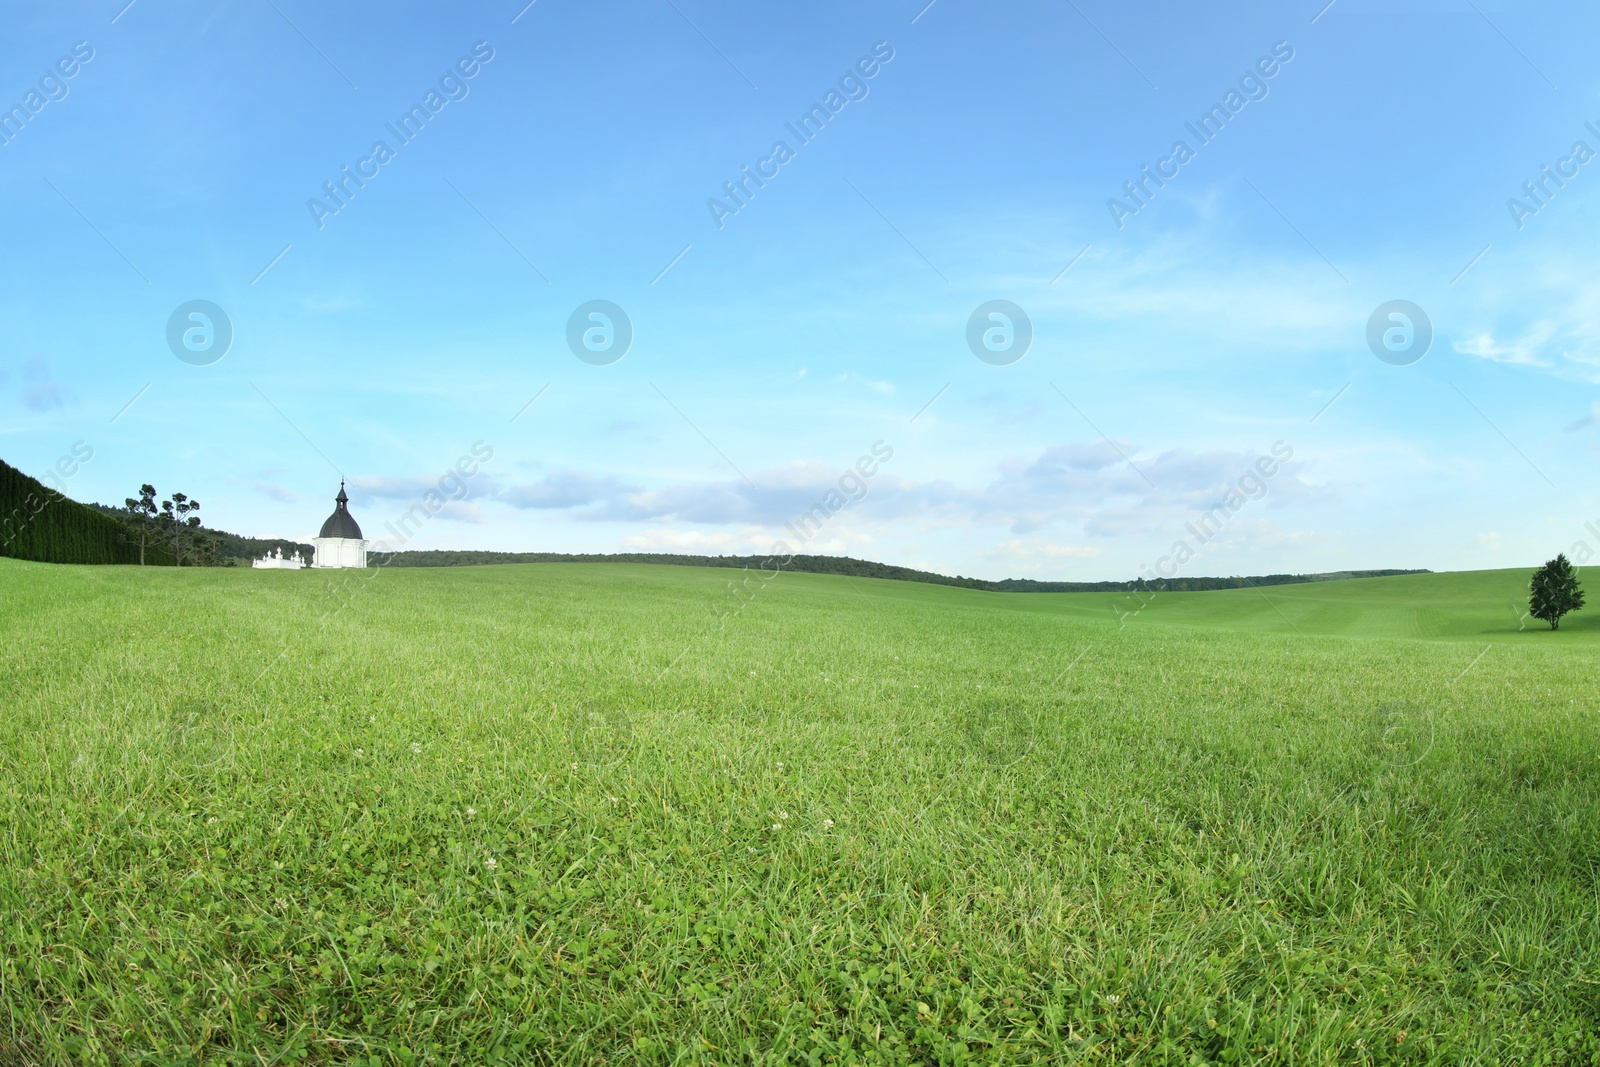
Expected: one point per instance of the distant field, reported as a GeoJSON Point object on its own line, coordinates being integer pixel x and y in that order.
{"type": "Point", "coordinates": [1475, 604]}
{"type": "Point", "coordinates": [595, 813]}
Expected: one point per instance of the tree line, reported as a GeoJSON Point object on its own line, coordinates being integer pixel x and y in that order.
{"type": "Point", "coordinates": [172, 530]}
{"type": "Point", "coordinates": [860, 568]}
{"type": "Point", "coordinates": [40, 524]}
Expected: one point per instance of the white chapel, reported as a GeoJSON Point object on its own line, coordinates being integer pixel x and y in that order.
{"type": "Point", "coordinates": [340, 543]}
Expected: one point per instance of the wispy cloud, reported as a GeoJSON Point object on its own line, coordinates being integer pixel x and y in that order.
{"type": "Point", "coordinates": [1591, 419]}
{"type": "Point", "coordinates": [40, 390]}
{"type": "Point", "coordinates": [459, 495]}
{"type": "Point", "coordinates": [882, 387]}
{"type": "Point", "coordinates": [417, 486]}
{"type": "Point", "coordinates": [565, 489]}
{"type": "Point", "coordinates": [1025, 551]}
{"type": "Point", "coordinates": [1085, 486]}
{"type": "Point", "coordinates": [699, 542]}
{"type": "Point", "coordinates": [276, 492]}
{"type": "Point", "coordinates": [1524, 351]}
{"type": "Point", "coordinates": [271, 490]}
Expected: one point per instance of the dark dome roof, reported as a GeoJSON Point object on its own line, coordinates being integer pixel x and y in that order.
{"type": "Point", "coordinates": [340, 524]}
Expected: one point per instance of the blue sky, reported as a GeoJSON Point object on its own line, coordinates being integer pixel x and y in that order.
{"type": "Point", "coordinates": [773, 351]}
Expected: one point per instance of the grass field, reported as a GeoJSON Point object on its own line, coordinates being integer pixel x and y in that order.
{"type": "Point", "coordinates": [567, 813]}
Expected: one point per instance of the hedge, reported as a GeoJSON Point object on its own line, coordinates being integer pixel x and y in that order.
{"type": "Point", "coordinates": [38, 523]}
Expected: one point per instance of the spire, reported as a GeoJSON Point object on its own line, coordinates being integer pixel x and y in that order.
{"type": "Point", "coordinates": [341, 499]}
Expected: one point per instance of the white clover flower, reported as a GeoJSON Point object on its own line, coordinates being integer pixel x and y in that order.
{"type": "Point", "coordinates": [752, 674]}
{"type": "Point", "coordinates": [372, 718]}
{"type": "Point", "coordinates": [416, 749]}
{"type": "Point", "coordinates": [612, 799]}
{"type": "Point", "coordinates": [827, 824]}
{"type": "Point", "coordinates": [783, 815]}
{"type": "Point", "coordinates": [780, 766]}
{"type": "Point", "coordinates": [471, 812]}
{"type": "Point", "coordinates": [491, 863]}
{"type": "Point", "coordinates": [211, 820]}
{"type": "Point", "coordinates": [360, 753]}
{"type": "Point", "coordinates": [777, 826]}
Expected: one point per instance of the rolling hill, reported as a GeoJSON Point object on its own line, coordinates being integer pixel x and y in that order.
{"type": "Point", "coordinates": [271, 814]}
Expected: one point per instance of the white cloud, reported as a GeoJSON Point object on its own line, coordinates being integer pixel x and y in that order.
{"type": "Point", "coordinates": [1101, 489]}
{"type": "Point", "coordinates": [777, 496]}
{"type": "Point", "coordinates": [415, 487]}
{"type": "Point", "coordinates": [1524, 351]}
{"type": "Point", "coordinates": [1021, 550]}
{"type": "Point", "coordinates": [698, 542]}
{"type": "Point", "coordinates": [564, 489]}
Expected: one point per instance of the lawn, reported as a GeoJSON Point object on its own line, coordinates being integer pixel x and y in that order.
{"type": "Point", "coordinates": [583, 813]}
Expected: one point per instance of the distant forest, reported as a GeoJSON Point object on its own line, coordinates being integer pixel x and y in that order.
{"type": "Point", "coordinates": [861, 568]}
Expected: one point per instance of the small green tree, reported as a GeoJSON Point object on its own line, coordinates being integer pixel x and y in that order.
{"type": "Point", "coordinates": [142, 512]}
{"type": "Point", "coordinates": [1554, 591]}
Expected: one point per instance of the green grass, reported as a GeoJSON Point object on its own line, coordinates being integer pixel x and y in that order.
{"type": "Point", "coordinates": [1475, 604]}
{"type": "Point", "coordinates": [565, 813]}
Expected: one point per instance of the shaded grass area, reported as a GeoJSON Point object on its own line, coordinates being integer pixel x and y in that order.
{"type": "Point", "coordinates": [584, 814]}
